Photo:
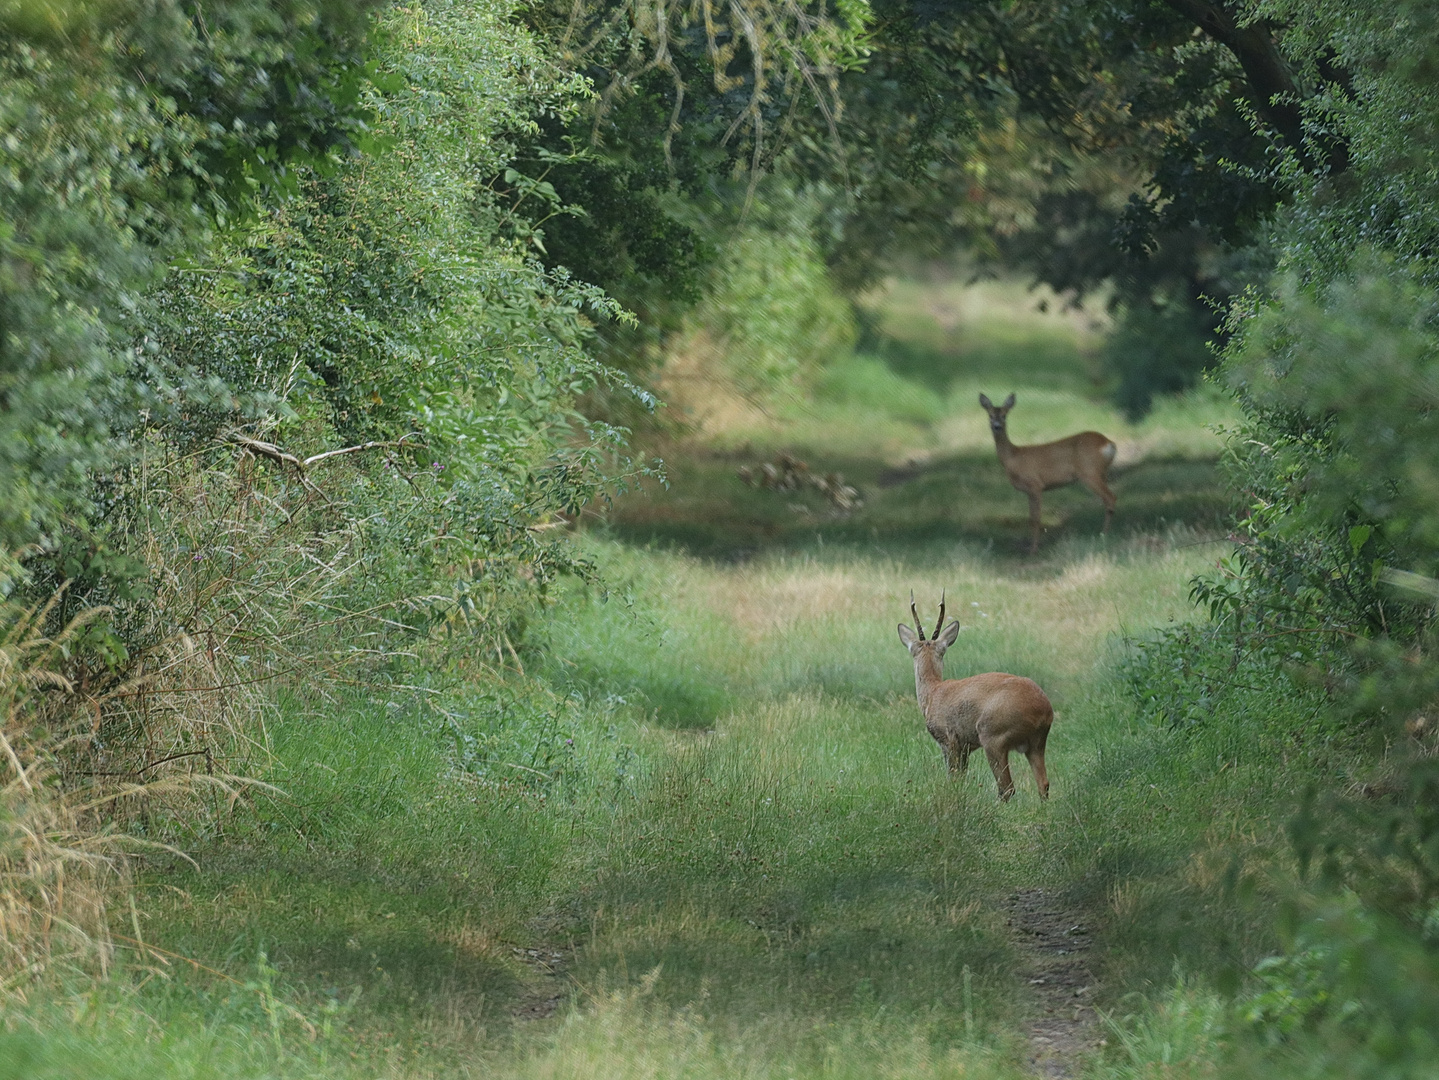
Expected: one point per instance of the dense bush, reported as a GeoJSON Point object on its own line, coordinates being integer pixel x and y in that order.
{"type": "Point", "coordinates": [368, 361]}
{"type": "Point", "coordinates": [1332, 586]}
{"type": "Point", "coordinates": [130, 128]}
{"type": "Point", "coordinates": [337, 432]}
{"type": "Point", "coordinates": [770, 298]}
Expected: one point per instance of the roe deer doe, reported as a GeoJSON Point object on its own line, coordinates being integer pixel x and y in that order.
{"type": "Point", "coordinates": [994, 712]}
{"type": "Point", "coordinates": [1085, 457]}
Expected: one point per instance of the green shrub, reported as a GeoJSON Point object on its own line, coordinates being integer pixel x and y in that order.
{"type": "Point", "coordinates": [770, 299]}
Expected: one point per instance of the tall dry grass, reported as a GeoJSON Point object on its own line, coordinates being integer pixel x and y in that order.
{"type": "Point", "coordinates": [133, 726]}
{"type": "Point", "coordinates": [61, 860]}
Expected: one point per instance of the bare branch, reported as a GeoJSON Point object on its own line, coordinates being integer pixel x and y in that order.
{"type": "Point", "coordinates": [260, 448]}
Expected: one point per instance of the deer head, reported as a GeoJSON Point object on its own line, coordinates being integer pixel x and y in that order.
{"type": "Point", "coordinates": [914, 640]}
{"type": "Point", "coordinates": [997, 413]}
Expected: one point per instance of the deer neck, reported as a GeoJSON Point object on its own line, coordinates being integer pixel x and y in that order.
{"type": "Point", "coordinates": [927, 676]}
{"type": "Point", "coordinates": [1002, 444]}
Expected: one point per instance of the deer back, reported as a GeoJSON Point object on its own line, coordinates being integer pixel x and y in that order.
{"type": "Point", "coordinates": [1053, 464]}
{"type": "Point", "coordinates": [993, 707]}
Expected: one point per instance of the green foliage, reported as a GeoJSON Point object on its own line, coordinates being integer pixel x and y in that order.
{"type": "Point", "coordinates": [1330, 595]}
{"type": "Point", "coordinates": [128, 126]}
{"type": "Point", "coordinates": [1348, 997]}
{"type": "Point", "coordinates": [1296, 992]}
{"type": "Point", "coordinates": [770, 297]}
{"type": "Point", "coordinates": [1159, 347]}
{"type": "Point", "coordinates": [76, 186]}
{"type": "Point", "coordinates": [1353, 362]}
{"type": "Point", "coordinates": [627, 236]}
{"type": "Point", "coordinates": [695, 110]}
{"type": "Point", "coordinates": [737, 70]}
{"type": "Point", "coordinates": [1119, 148]}
{"type": "Point", "coordinates": [343, 433]}
{"type": "Point", "coordinates": [514, 734]}
{"type": "Point", "coordinates": [389, 302]}
{"type": "Point", "coordinates": [1180, 1036]}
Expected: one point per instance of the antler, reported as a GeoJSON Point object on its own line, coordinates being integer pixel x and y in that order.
{"type": "Point", "coordinates": [939, 625]}
{"type": "Point", "coordinates": [915, 612]}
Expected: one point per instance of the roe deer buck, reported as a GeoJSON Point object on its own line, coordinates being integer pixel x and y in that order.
{"type": "Point", "coordinates": [1085, 457]}
{"type": "Point", "coordinates": [994, 712]}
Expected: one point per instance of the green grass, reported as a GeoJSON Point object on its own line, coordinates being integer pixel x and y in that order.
{"type": "Point", "coordinates": [868, 384]}
{"type": "Point", "coordinates": [713, 810]}
{"type": "Point", "coordinates": [933, 348]}
{"type": "Point", "coordinates": [941, 331]}
{"type": "Point", "coordinates": [792, 887]}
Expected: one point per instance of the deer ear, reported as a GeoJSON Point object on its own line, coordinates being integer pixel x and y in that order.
{"type": "Point", "coordinates": [984, 400]}
{"type": "Point", "coordinates": [1008, 402]}
{"type": "Point", "coordinates": [906, 635]}
{"type": "Point", "coordinates": [947, 638]}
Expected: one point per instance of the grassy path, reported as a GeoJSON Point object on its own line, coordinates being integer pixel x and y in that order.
{"type": "Point", "coordinates": [795, 871]}
{"type": "Point", "coordinates": [754, 864]}
{"type": "Point", "coordinates": [783, 862]}
{"type": "Point", "coordinates": [710, 837]}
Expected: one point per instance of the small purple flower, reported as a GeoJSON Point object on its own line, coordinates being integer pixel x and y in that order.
{"type": "Point", "coordinates": [197, 557]}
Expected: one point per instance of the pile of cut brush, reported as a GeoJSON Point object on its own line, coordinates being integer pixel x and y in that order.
{"type": "Point", "coordinates": [789, 473]}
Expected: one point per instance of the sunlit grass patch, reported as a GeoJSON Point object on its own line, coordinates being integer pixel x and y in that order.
{"type": "Point", "coordinates": [868, 383]}
{"type": "Point", "coordinates": [625, 1033]}
{"type": "Point", "coordinates": [938, 330]}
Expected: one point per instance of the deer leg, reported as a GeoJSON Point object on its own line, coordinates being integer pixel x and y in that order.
{"type": "Point", "coordinates": [1109, 501]}
{"type": "Point", "coordinates": [1033, 522]}
{"type": "Point", "coordinates": [956, 756]}
{"type": "Point", "coordinates": [1036, 762]}
{"type": "Point", "coordinates": [999, 765]}
{"type": "Point", "coordinates": [1035, 752]}
{"type": "Point", "coordinates": [1101, 491]}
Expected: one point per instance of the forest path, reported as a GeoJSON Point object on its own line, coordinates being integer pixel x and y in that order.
{"type": "Point", "coordinates": [1055, 942]}
{"type": "Point", "coordinates": [798, 850]}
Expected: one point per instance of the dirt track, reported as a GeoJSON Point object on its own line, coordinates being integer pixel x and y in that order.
{"type": "Point", "coordinates": [1055, 944]}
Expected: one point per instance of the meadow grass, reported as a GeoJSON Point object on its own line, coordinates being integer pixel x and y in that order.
{"type": "Point", "coordinates": [934, 345]}
{"type": "Point", "coordinates": [708, 511]}
{"type": "Point", "coordinates": [778, 862]}
{"type": "Point", "coordinates": [788, 884]}
{"type": "Point", "coordinates": [707, 835]}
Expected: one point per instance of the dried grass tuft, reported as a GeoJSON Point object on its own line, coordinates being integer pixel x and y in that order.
{"type": "Point", "coordinates": [60, 864]}
{"type": "Point", "coordinates": [247, 573]}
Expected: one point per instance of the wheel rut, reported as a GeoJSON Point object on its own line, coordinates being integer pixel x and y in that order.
{"type": "Point", "coordinates": [1055, 944]}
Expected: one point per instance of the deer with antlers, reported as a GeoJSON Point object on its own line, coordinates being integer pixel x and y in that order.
{"type": "Point", "coordinates": [1085, 457]}
{"type": "Point", "coordinates": [994, 712]}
